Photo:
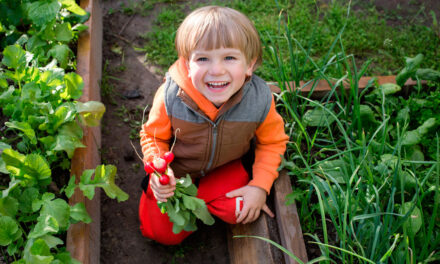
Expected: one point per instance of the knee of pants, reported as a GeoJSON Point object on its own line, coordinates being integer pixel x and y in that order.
{"type": "Point", "coordinates": [157, 226]}
{"type": "Point", "coordinates": [226, 208]}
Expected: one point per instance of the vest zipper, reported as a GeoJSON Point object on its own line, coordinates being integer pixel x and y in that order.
{"type": "Point", "coordinates": [214, 144]}
{"type": "Point", "coordinates": [214, 139]}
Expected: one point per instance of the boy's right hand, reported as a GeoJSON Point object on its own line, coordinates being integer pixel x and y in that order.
{"type": "Point", "coordinates": [162, 192]}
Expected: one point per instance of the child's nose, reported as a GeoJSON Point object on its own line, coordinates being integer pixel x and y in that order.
{"type": "Point", "coordinates": [217, 68]}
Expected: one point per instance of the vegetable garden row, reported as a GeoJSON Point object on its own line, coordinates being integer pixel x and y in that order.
{"type": "Point", "coordinates": [364, 160]}
{"type": "Point", "coordinates": [43, 116]}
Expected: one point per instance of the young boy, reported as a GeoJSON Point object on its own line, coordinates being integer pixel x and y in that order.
{"type": "Point", "coordinates": [214, 107]}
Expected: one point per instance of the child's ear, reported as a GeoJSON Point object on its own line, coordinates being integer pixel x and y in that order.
{"type": "Point", "coordinates": [250, 68]}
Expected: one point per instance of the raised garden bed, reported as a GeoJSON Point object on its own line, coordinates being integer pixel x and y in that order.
{"type": "Point", "coordinates": [83, 240]}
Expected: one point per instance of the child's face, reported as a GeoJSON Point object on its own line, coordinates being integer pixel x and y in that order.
{"type": "Point", "coordinates": [218, 73]}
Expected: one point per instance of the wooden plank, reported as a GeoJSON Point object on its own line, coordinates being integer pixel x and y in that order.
{"type": "Point", "coordinates": [288, 221]}
{"type": "Point", "coordinates": [83, 241]}
{"type": "Point", "coordinates": [251, 250]}
{"type": "Point", "coordinates": [322, 87]}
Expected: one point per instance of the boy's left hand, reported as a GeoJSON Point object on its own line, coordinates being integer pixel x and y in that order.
{"type": "Point", "coordinates": [254, 200]}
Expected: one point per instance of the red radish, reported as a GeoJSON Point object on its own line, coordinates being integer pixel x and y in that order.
{"type": "Point", "coordinates": [160, 165]}
{"type": "Point", "coordinates": [149, 167]}
{"type": "Point", "coordinates": [168, 156]}
{"type": "Point", "coordinates": [164, 179]}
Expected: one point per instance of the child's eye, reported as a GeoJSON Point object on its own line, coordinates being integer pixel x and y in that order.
{"type": "Point", "coordinates": [202, 59]}
{"type": "Point", "coordinates": [230, 58]}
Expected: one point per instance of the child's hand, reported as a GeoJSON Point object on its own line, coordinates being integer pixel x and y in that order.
{"type": "Point", "coordinates": [254, 200]}
{"type": "Point", "coordinates": [162, 192]}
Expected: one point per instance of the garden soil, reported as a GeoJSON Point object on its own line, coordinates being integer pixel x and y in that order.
{"type": "Point", "coordinates": [128, 86]}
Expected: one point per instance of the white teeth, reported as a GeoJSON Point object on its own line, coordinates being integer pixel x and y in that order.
{"type": "Point", "coordinates": [214, 84]}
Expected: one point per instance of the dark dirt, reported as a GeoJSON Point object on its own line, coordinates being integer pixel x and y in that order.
{"type": "Point", "coordinates": [127, 73]}
{"type": "Point", "coordinates": [121, 240]}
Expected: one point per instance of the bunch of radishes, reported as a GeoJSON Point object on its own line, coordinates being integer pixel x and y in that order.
{"type": "Point", "coordinates": [183, 208]}
{"type": "Point", "coordinates": [158, 166]}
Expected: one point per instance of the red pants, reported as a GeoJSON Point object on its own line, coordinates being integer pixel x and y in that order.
{"type": "Point", "coordinates": [212, 189]}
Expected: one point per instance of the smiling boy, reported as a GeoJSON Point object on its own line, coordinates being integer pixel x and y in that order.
{"type": "Point", "coordinates": [215, 107]}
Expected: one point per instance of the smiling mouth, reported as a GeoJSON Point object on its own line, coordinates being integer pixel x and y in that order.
{"type": "Point", "coordinates": [217, 85]}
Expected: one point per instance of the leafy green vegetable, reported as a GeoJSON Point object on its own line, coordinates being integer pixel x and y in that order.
{"type": "Point", "coordinates": [184, 207]}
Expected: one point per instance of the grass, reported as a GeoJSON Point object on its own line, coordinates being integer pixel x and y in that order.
{"type": "Point", "coordinates": [315, 25]}
{"type": "Point", "coordinates": [360, 170]}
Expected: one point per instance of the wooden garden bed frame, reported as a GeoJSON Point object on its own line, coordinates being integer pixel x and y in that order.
{"type": "Point", "coordinates": [83, 240]}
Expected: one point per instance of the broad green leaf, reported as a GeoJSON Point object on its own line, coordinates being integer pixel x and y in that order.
{"type": "Point", "coordinates": [366, 114]}
{"type": "Point", "coordinates": [70, 189]}
{"type": "Point", "coordinates": [15, 246]}
{"type": "Point", "coordinates": [411, 138]}
{"type": "Point", "coordinates": [318, 117]}
{"type": "Point", "coordinates": [69, 138]}
{"type": "Point", "coordinates": [13, 161]}
{"type": "Point", "coordinates": [104, 178]}
{"type": "Point", "coordinates": [191, 190]}
{"type": "Point", "coordinates": [9, 231]}
{"type": "Point", "coordinates": [73, 86]}
{"type": "Point", "coordinates": [2, 163]}
{"type": "Point", "coordinates": [48, 142]}
{"type": "Point", "coordinates": [176, 218]}
{"type": "Point", "coordinates": [25, 128]}
{"type": "Point", "coordinates": [52, 241]}
{"type": "Point", "coordinates": [86, 185]}
{"type": "Point", "coordinates": [47, 224]}
{"type": "Point", "coordinates": [177, 228]}
{"type": "Point", "coordinates": [185, 181]}
{"type": "Point", "coordinates": [335, 168]}
{"type": "Point", "coordinates": [191, 225]}
{"type": "Point", "coordinates": [415, 136]}
{"type": "Point", "coordinates": [12, 185]}
{"type": "Point", "coordinates": [203, 214]}
{"type": "Point", "coordinates": [63, 114]}
{"type": "Point", "coordinates": [26, 198]}
{"type": "Point", "coordinates": [61, 53]}
{"type": "Point", "coordinates": [3, 82]}
{"type": "Point", "coordinates": [63, 32]}
{"type": "Point", "coordinates": [47, 197]}
{"type": "Point", "coordinates": [78, 212]}
{"type": "Point", "coordinates": [38, 168]}
{"type": "Point", "coordinates": [415, 221]}
{"type": "Point", "coordinates": [37, 252]}
{"type": "Point", "coordinates": [8, 95]}
{"type": "Point", "coordinates": [14, 57]}
{"type": "Point", "coordinates": [107, 175]}
{"type": "Point", "coordinates": [65, 258]}
{"type": "Point", "coordinates": [388, 88]}
{"type": "Point", "coordinates": [428, 75]}
{"type": "Point", "coordinates": [59, 209]}
{"type": "Point", "coordinates": [8, 206]}
{"type": "Point", "coordinates": [389, 160]}
{"type": "Point", "coordinates": [409, 70]}
{"type": "Point", "coordinates": [189, 202]}
{"type": "Point", "coordinates": [408, 180]}
{"type": "Point", "coordinates": [42, 12]}
{"type": "Point", "coordinates": [73, 7]}
{"type": "Point", "coordinates": [31, 91]}
{"type": "Point", "coordinates": [91, 112]}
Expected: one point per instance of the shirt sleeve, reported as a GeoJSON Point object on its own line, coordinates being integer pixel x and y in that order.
{"type": "Point", "coordinates": [156, 132]}
{"type": "Point", "coordinates": [271, 143]}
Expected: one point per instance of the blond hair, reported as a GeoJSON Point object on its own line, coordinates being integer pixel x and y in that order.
{"type": "Point", "coordinates": [213, 27]}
